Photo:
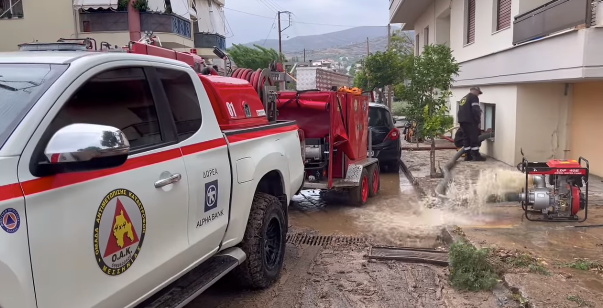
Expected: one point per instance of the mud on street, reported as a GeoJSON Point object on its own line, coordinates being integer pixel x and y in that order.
{"type": "Point", "coordinates": [326, 262]}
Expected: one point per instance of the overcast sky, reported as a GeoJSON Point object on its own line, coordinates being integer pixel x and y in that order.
{"type": "Point", "coordinates": [246, 28]}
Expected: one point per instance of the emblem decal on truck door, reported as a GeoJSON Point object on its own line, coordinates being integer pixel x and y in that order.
{"type": "Point", "coordinates": [10, 220]}
{"type": "Point", "coordinates": [119, 229]}
{"type": "Point", "coordinates": [211, 203]}
{"type": "Point", "coordinates": [211, 196]}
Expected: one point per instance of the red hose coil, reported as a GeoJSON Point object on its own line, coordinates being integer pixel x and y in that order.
{"type": "Point", "coordinates": [255, 78]}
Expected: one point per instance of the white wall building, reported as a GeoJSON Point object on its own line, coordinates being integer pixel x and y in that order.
{"type": "Point", "coordinates": [538, 62]}
{"type": "Point", "coordinates": [190, 24]}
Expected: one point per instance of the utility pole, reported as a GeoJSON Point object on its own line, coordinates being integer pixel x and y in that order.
{"type": "Point", "coordinates": [304, 55]}
{"type": "Point", "coordinates": [368, 51]}
{"type": "Point", "coordinates": [390, 95]}
{"type": "Point", "coordinates": [280, 31]}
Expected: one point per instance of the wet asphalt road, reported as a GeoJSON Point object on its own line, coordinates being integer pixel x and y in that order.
{"type": "Point", "coordinates": [308, 278]}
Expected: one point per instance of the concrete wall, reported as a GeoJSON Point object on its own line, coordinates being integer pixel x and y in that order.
{"type": "Point", "coordinates": [542, 113]}
{"type": "Point", "coordinates": [442, 30]}
{"type": "Point", "coordinates": [505, 99]}
{"type": "Point", "coordinates": [43, 20]}
{"type": "Point", "coordinates": [486, 40]}
{"type": "Point", "coordinates": [428, 18]}
{"type": "Point", "coordinates": [587, 124]}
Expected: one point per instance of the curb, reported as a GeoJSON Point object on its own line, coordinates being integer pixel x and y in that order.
{"type": "Point", "coordinates": [411, 178]}
{"type": "Point", "coordinates": [503, 291]}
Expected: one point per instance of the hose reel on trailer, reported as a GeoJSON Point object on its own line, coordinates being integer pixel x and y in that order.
{"type": "Point", "coordinates": [262, 83]}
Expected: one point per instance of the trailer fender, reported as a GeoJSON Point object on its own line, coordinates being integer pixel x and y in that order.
{"type": "Point", "coordinates": [354, 172]}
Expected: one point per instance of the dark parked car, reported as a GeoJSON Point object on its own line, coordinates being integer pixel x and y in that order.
{"type": "Point", "coordinates": [386, 137]}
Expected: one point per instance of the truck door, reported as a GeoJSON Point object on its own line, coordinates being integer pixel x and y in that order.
{"type": "Point", "coordinates": [205, 156]}
{"type": "Point", "coordinates": [105, 238]}
{"type": "Point", "coordinates": [16, 288]}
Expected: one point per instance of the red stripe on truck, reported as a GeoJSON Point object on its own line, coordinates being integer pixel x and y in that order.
{"type": "Point", "coordinates": [203, 146]}
{"type": "Point", "coordinates": [39, 185]}
{"type": "Point", "coordinates": [244, 136]}
{"type": "Point", "coordinates": [61, 180]}
{"type": "Point", "coordinates": [10, 191]}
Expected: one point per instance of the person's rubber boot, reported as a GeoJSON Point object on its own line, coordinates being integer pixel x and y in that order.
{"type": "Point", "coordinates": [468, 156]}
{"type": "Point", "coordinates": [477, 156]}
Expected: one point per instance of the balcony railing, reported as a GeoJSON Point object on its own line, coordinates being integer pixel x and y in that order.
{"type": "Point", "coordinates": [551, 17]}
{"type": "Point", "coordinates": [118, 21]}
{"type": "Point", "coordinates": [159, 22]}
{"type": "Point", "coordinates": [103, 21]}
{"type": "Point", "coordinates": [209, 40]}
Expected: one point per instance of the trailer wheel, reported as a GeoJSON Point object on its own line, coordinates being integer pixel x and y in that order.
{"type": "Point", "coordinates": [264, 243]}
{"type": "Point", "coordinates": [359, 195]}
{"type": "Point", "coordinates": [374, 180]}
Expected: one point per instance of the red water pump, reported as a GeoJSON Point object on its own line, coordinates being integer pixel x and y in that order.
{"type": "Point", "coordinates": [557, 193]}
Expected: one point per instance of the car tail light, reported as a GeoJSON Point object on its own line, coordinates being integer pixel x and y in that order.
{"type": "Point", "coordinates": [393, 135]}
{"type": "Point", "coordinates": [302, 144]}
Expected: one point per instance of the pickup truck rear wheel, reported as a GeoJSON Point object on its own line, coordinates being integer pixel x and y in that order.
{"type": "Point", "coordinates": [359, 195]}
{"type": "Point", "coordinates": [264, 243]}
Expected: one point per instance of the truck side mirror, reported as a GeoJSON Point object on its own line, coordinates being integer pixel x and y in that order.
{"type": "Point", "coordinates": [85, 147]}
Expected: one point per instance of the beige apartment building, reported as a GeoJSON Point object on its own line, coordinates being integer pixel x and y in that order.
{"type": "Point", "coordinates": [179, 24]}
{"type": "Point", "coordinates": [538, 62]}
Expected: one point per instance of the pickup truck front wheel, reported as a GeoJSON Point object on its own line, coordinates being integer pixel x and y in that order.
{"type": "Point", "coordinates": [264, 243]}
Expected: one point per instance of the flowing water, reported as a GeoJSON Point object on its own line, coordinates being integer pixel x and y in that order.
{"type": "Point", "coordinates": [399, 216]}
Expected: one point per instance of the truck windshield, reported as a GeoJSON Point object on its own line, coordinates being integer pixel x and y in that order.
{"type": "Point", "coordinates": [21, 85]}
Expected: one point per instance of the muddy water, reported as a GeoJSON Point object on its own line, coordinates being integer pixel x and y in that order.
{"type": "Point", "coordinates": [331, 213]}
{"type": "Point", "coordinates": [397, 216]}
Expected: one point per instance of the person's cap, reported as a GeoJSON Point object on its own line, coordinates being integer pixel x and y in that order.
{"type": "Point", "coordinates": [477, 89]}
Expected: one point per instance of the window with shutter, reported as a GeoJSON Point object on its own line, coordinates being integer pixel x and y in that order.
{"type": "Point", "coordinates": [470, 22]}
{"type": "Point", "coordinates": [417, 44]}
{"type": "Point", "coordinates": [503, 14]}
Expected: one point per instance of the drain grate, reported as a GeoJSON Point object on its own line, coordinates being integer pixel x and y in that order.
{"type": "Point", "coordinates": [322, 240]}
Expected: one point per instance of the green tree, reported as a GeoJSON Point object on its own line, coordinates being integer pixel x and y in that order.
{"type": "Point", "coordinates": [430, 76]}
{"type": "Point", "coordinates": [360, 80]}
{"type": "Point", "coordinates": [352, 71]}
{"type": "Point", "coordinates": [253, 58]}
{"type": "Point", "coordinates": [382, 69]}
{"type": "Point", "coordinates": [402, 43]}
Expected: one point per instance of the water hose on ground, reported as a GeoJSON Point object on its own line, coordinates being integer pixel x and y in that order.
{"type": "Point", "coordinates": [440, 189]}
{"type": "Point", "coordinates": [427, 148]}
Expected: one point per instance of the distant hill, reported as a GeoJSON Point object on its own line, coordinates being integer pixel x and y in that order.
{"type": "Point", "coordinates": [323, 41]}
{"type": "Point", "coordinates": [346, 46]}
{"type": "Point", "coordinates": [350, 53]}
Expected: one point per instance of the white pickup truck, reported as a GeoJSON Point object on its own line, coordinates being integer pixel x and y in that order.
{"type": "Point", "coordinates": [119, 188]}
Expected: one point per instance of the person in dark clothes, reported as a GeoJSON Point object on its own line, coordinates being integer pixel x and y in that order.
{"type": "Point", "coordinates": [459, 136]}
{"type": "Point", "coordinates": [469, 117]}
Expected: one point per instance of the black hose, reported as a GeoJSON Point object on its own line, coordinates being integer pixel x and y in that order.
{"type": "Point", "coordinates": [442, 186]}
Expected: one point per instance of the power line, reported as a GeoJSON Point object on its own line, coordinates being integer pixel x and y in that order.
{"type": "Point", "coordinates": [306, 23]}
{"type": "Point", "coordinates": [278, 7]}
{"type": "Point", "coordinates": [227, 24]}
{"type": "Point", "coordinates": [271, 27]}
{"type": "Point", "coordinates": [265, 3]}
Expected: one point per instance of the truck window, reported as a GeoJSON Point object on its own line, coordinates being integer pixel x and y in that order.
{"type": "Point", "coordinates": [120, 98]}
{"type": "Point", "coordinates": [183, 101]}
{"type": "Point", "coordinates": [21, 85]}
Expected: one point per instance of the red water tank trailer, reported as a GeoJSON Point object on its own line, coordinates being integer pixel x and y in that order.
{"type": "Point", "coordinates": [335, 125]}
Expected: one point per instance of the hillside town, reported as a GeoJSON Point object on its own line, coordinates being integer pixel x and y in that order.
{"type": "Point", "coordinates": [301, 154]}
